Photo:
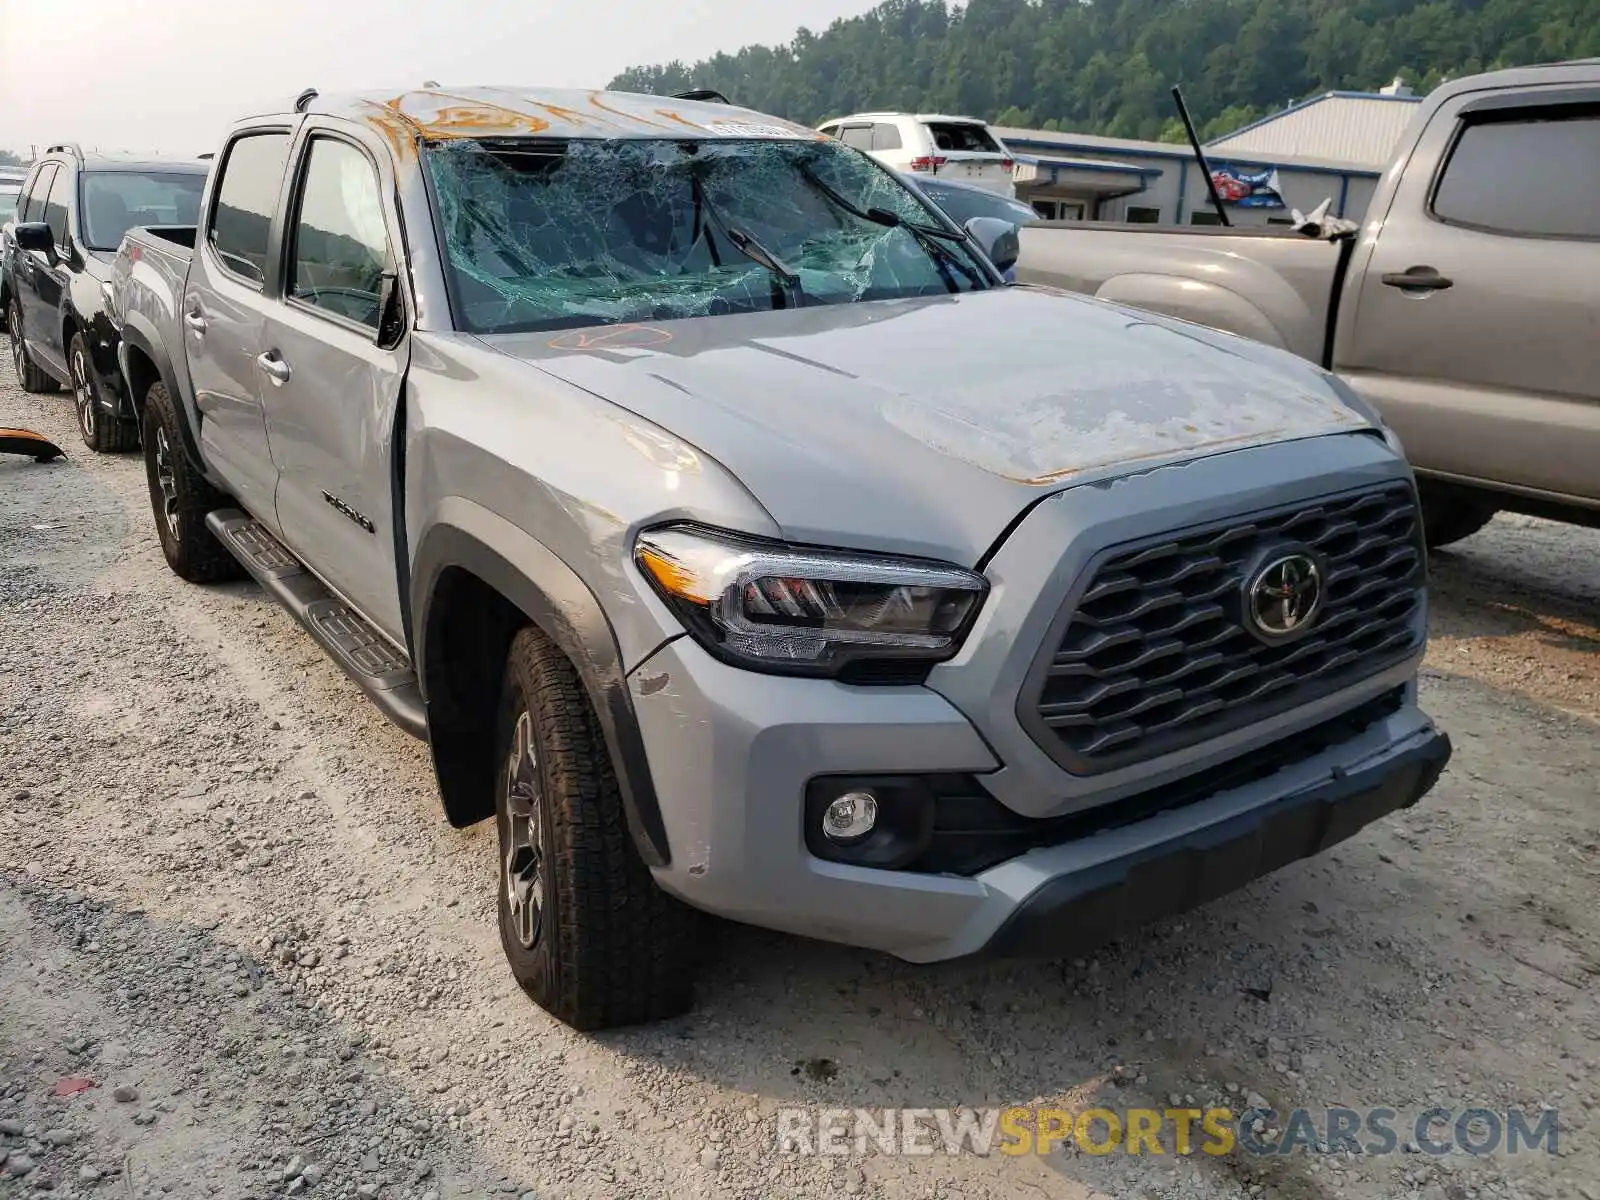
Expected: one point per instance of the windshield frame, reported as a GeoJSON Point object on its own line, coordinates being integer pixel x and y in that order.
{"type": "Point", "coordinates": [936, 218]}
{"type": "Point", "coordinates": [156, 171]}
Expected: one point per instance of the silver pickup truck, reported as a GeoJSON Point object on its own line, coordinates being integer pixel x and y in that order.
{"type": "Point", "coordinates": [740, 544]}
{"type": "Point", "coordinates": [1466, 308]}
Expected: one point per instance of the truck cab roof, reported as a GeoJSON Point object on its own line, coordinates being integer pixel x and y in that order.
{"type": "Point", "coordinates": [526, 112]}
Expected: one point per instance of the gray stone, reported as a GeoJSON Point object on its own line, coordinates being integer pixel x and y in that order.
{"type": "Point", "coordinates": [11, 1128]}
{"type": "Point", "coordinates": [125, 1094]}
{"type": "Point", "coordinates": [58, 1137]}
{"type": "Point", "coordinates": [296, 1165]}
{"type": "Point", "coordinates": [18, 1165]}
{"type": "Point", "coordinates": [711, 1158]}
{"type": "Point", "coordinates": [89, 1173]}
{"type": "Point", "coordinates": [312, 1174]}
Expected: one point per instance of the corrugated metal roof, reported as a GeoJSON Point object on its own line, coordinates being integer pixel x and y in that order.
{"type": "Point", "coordinates": [1092, 143]}
{"type": "Point", "coordinates": [1353, 127]}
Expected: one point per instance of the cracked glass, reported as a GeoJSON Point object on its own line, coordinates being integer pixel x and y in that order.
{"type": "Point", "coordinates": [551, 234]}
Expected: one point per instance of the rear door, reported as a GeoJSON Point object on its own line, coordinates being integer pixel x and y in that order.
{"type": "Point", "coordinates": [224, 316]}
{"type": "Point", "coordinates": [46, 279]}
{"type": "Point", "coordinates": [332, 388]}
{"type": "Point", "coordinates": [1475, 325]}
{"type": "Point", "coordinates": [24, 264]}
{"type": "Point", "coordinates": [969, 153]}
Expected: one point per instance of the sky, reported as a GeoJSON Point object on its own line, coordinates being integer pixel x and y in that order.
{"type": "Point", "coordinates": [168, 76]}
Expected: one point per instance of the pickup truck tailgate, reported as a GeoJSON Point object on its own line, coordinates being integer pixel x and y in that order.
{"type": "Point", "coordinates": [1273, 286]}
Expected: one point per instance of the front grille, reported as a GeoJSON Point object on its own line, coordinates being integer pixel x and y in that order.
{"type": "Point", "coordinates": [1156, 657]}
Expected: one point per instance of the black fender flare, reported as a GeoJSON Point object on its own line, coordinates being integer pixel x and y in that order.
{"type": "Point", "coordinates": [138, 334]}
{"type": "Point", "coordinates": [551, 595]}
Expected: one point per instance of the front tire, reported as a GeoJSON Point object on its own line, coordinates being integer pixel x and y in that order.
{"type": "Point", "coordinates": [588, 934]}
{"type": "Point", "coordinates": [1450, 514]}
{"type": "Point", "coordinates": [101, 433]}
{"type": "Point", "coordinates": [181, 498]}
{"type": "Point", "coordinates": [29, 376]}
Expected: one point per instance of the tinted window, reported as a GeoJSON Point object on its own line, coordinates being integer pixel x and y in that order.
{"type": "Point", "coordinates": [55, 209]}
{"type": "Point", "coordinates": [885, 137]}
{"type": "Point", "coordinates": [859, 136]}
{"type": "Point", "coordinates": [962, 204]}
{"type": "Point", "coordinates": [1205, 218]}
{"type": "Point", "coordinates": [964, 137]}
{"type": "Point", "coordinates": [117, 201]}
{"type": "Point", "coordinates": [1539, 177]}
{"type": "Point", "coordinates": [33, 209]}
{"type": "Point", "coordinates": [341, 247]}
{"type": "Point", "coordinates": [8, 203]}
{"type": "Point", "coordinates": [1143, 215]}
{"type": "Point", "coordinates": [242, 218]}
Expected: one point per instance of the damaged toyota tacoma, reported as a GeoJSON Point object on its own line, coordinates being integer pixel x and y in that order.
{"type": "Point", "coordinates": [742, 546]}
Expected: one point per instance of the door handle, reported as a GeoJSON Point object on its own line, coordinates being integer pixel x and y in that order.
{"type": "Point", "coordinates": [195, 322]}
{"type": "Point", "coordinates": [1418, 279]}
{"type": "Point", "coordinates": [274, 367]}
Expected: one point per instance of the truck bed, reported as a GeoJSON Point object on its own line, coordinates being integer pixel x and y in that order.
{"type": "Point", "coordinates": [1274, 285]}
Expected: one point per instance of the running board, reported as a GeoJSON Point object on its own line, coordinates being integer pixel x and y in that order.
{"type": "Point", "coordinates": [377, 668]}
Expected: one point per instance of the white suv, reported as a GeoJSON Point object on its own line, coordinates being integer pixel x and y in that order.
{"type": "Point", "coordinates": [958, 148]}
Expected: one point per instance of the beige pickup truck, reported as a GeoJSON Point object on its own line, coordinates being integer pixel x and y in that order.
{"type": "Point", "coordinates": [1466, 307]}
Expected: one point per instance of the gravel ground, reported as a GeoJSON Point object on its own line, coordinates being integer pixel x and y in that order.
{"type": "Point", "coordinates": [231, 912]}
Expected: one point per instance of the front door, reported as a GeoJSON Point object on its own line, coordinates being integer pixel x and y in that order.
{"type": "Point", "coordinates": [332, 388]}
{"type": "Point", "coordinates": [1474, 328]}
{"type": "Point", "coordinates": [224, 318]}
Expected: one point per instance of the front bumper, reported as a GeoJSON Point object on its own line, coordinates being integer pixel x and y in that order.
{"type": "Point", "coordinates": [731, 753]}
{"type": "Point", "coordinates": [1079, 910]}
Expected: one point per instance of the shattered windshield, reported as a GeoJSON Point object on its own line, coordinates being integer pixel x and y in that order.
{"type": "Point", "coordinates": [545, 234]}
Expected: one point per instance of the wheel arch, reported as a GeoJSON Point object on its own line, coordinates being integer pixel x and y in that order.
{"type": "Point", "coordinates": [476, 579]}
{"type": "Point", "coordinates": [145, 363]}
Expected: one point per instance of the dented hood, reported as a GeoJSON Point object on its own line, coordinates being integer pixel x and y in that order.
{"type": "Point", "coordinates": [926, 426]}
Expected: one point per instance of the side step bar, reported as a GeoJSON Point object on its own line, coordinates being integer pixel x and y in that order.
{"type": "Point", "coordinates": [380, 670]}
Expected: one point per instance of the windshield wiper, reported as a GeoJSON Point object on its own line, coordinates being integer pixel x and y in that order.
{"type": "Point", "coordinates": [930, 237]}
{"type": "Point", "coordinates": [749, 246]}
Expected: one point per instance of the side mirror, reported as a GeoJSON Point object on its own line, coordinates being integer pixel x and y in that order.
{"type": "Point", "coordinates": [997, 239]}
{"type": "Point", "coordinates": [36, 235]}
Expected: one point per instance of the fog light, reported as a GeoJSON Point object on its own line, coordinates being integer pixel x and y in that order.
{"type": "Point", "coordinates": [850, 817]}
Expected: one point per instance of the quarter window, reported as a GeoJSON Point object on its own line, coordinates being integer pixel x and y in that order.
{"type": "Point", "coordinates": [341, 245]}
{"type": "Point", "coordinates": [885, 137]}
{"type": "Point", "coordinates": [242, 217]}
{"type": "Point", "coordinates": [1535, 177]}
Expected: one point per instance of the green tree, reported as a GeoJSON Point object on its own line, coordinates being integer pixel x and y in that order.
{"type": "Point", "coordinates": [1104, 66]}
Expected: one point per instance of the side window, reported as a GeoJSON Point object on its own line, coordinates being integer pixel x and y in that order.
{"type": "Point", "coordinates": [55, 209]}
{"type": "Point", "coordinates": [241, 217]}
{"type": "Point", "coordinates": [33, 206]}
{"type": "Point", "coordinates": [341, 246]}
{"type": "Point", "coordinates": [829, 131]}
{"type": "Point", "coordinates": [859, 136]}
{"type": "Point", "coordinates": [1536, 177]}
{"type": "Point", "coordinates": [885, 137]}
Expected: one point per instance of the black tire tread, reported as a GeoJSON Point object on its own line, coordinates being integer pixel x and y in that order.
{"type": "Point", "coordinates": [1448, 516]}
{"type": "Point", "coordinates": [112, 435]}
{"type": "Point", "coordinates": [621, 951]}
{"type": "Point", "coordinates": [34, 379]}
{"type": "Point", "coordinates": [197, 556]}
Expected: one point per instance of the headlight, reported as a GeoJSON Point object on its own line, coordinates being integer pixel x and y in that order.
{"type": "Point", "coordinates": [777, 608]}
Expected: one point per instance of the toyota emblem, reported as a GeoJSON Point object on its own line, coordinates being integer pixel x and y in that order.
{"type": "Point", "coordinates": [1283, 597]}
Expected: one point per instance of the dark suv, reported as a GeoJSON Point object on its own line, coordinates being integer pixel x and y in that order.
{"type": "Point", "coordinates": [57, 255]}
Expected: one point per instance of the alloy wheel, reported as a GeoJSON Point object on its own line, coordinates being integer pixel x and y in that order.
{"type": "Point", "coordinates": [83, 397]}
{"type": "Point", "coordinates": [14, 329]}
{"type": "Point", "coordinates": [524, 847]}
{"type": "Point", "coordinates": [167, 481]}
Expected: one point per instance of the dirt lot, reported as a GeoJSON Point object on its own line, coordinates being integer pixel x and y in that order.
{"type": "Point", "coordinates": [228, 899]}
